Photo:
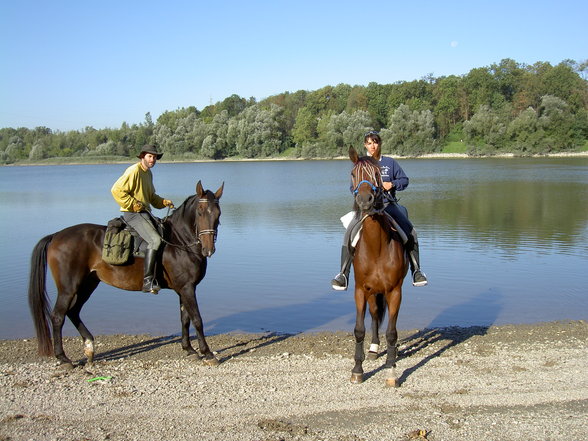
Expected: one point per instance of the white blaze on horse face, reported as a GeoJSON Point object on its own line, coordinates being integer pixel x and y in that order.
{"type": "Point", "coordinates": [366, 172]}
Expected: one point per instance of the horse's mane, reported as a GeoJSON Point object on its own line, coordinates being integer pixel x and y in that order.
{"type": "Point", "coordinates": [183, 212]}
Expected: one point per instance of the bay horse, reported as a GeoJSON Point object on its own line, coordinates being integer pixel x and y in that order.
{"type": "Point", "coordinates": [74, 256]}
{"type": "Point", "coordinates": [380, 265]}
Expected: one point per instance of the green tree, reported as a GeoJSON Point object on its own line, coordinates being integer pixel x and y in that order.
{"type": "Point", "coordinates": [219, 144]}
{"type": "Point", "coordinates": [15, 150]}
{"type": "Point", "coordinates": [524, 134]}
{"type": "Point", "coordinates": [507, 74]}
{"type": "Point", "coordinates": [305, 129]}
{"type": "Point", "coordinates": [339, 131]}
{"type": "Point", "coordinates": [409, 133]}
{"type": "Point", "coordinates": [447, 103]}
{"type": "Point", "coordinates": [558, 123]}
{"type": "Point", "coordinates": [257, 132]}
{"type": "Point", "coordinates": [485, 131]}
{"type": "Point", "coordinates": [377, 96]}
{"type": "Point", "coordinates": [357, 99]}
{"type": "Point", "coordinates": [480, 90]}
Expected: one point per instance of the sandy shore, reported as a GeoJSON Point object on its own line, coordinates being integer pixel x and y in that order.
{"type": "Point", "coordinates": [525, 382]}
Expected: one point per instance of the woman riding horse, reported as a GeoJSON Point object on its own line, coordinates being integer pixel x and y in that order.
{"type": "Point", "coordinates": [393, 179]}
{"type": "Point", "coordinates": [380, 265]}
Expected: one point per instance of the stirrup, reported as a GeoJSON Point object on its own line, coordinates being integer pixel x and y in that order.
{"type": "Point", "coordinates": [339, 285]}
{"type": "Point", "coordinates": [151, 285]}
{"type": "Point", "coordinates": [419, 278]}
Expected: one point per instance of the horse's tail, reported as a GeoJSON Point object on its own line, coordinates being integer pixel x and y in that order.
{"type": "Point", "coordinates": [381, 307]}
{"type": "Point", "coordinates": [38, 298]}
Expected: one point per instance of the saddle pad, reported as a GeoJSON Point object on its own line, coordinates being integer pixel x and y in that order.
{"type": "Point", "coordinates": [346, 220]}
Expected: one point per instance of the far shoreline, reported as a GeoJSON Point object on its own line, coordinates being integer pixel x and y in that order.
{"type": "Point", "coordinates": [583, 154]}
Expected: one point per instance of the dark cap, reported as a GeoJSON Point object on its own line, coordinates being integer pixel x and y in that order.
{"type": "Point", "coordinates": [149, 148]}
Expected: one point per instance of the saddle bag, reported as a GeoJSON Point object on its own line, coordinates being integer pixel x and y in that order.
{"type": "Point", "coordinates": [118, 243]}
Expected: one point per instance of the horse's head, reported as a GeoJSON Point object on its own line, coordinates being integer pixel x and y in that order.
{"type": "Point", "coordinates": [366, 180]}
{"type": "Point", "coordinates": [207, 217]}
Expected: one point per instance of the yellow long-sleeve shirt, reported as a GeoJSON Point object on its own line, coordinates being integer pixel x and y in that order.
{"type": "Point", "coordinates": [134, 185]}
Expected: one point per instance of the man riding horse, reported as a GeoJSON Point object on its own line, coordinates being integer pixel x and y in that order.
{"type": "Point", "coordinates": [135, 193]}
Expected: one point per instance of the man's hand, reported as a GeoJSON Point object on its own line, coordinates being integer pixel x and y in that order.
{"type": "Point", "coordinates": [138, 206]}
{"type": "Point", "coordinates": [168, 203]}
{"type": "Point", "coordinates": [387, 185]}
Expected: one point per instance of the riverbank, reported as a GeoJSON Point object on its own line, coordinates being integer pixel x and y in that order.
{"type": "Point", "coordinates": [500, 383]}
{"type": "Point", "coordinates": [82, 161]}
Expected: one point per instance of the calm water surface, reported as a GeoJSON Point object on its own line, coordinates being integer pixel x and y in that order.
{"type": "Point", "coordinates": [502, 241]}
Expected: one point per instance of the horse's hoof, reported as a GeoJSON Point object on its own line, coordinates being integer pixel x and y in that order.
{"type": "Point", "coordinates": [65, 366]}
{"type": "Point", "coordinates": [356, 378]}
{"type": "Point", "coordinates": [372, 355]}
{"type": "Point", "coordinates": [211, 361]}
{"type": "Point", "coordinates": [392, 382]}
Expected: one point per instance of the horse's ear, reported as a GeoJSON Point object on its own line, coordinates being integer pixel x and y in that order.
{"type": "Point", "coordinates": [199, 189]}
{"type": "Point", "coordinates": [353, 155]}
{"type": "Point", "coordinates": [219, 192]}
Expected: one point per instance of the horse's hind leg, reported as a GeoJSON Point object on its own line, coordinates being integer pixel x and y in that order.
{"type": "Point", "coordinates": [57, 318]}
{"type": "Point", "coordinates": [186, 344]}
{"type": "Point", "coordinates": [84, 291]}
{"type": "Point", "coordinates": [392, 339]}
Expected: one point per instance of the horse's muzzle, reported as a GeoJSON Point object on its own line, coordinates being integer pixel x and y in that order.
{"type": "Point", "coordinates": [365, 201]}
{"type": "Point", "coordinates": [207, 252]}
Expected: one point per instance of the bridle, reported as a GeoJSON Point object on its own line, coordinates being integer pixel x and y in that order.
{"type": "Point", "coordinates": [374, 188]}
{"type": "Point", "coordinates": [368, 173]}
{"type": "Point", "coordinates": [204, 232]}
{"type": "Point", "coordinates": [199, 234]}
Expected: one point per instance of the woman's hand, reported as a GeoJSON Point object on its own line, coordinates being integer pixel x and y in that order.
{"type": "Point", "coordinates": [387, 185]}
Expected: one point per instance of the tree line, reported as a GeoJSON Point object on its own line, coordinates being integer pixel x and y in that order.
{"type": "Point", "coordinates": [507, 107]}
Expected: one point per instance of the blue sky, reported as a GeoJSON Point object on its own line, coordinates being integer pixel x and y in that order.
{"type": "Point", "coordinates": [71, 64]}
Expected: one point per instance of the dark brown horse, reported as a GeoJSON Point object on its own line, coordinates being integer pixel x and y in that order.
{"type": "Point", "coordinates": [75, 258]}
{"type": "Point", "coordinates": [380, 265]}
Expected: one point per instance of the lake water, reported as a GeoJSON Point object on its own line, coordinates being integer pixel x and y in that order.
{"type": "Point", "coordinates": [502, 241]}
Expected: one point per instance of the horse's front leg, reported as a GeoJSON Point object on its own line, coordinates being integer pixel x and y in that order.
{"type": "Point", "coordinates": [376, 315]}
{"type": "Point", "coordinates": [359, 332]}
{"type": "Point", "coordinates": [392, 338]}
{"type": "Point", "coordinates": [188, 301]}
{"type": "Point", "coordinates": [186, 344]}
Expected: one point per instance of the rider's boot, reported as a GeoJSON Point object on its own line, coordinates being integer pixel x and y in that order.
{"type": "Point", "coordinates": [149, 282]}
{"type": "Point", "coordinates": [341, 280]}
{"type": "Point", "coordinates": [418, 277]}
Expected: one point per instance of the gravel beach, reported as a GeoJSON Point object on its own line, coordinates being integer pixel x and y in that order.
{"type": "Point", "coordinates": [523, 382]}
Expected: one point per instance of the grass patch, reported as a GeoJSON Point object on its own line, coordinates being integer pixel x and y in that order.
{"type": "Point", "coordinates": [454, 147]}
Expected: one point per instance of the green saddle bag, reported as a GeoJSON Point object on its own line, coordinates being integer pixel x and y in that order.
{"type": "Point", "coordinates": [118, 244]}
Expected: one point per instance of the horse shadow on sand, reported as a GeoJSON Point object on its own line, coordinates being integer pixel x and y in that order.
{"type": "Point", "coordinates": [255, 329]}
{"type": "Point", "coordinates": [485, 307]}
{"type": "Point", "coordinates": [236, 349]}
{"type": "Point", "coordinates": [255, 326]}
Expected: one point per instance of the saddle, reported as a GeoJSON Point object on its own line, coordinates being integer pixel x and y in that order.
{"type": "Point", "coordinates": [355, 234]}
{"type": "Point", "coordinates": [122, 243]}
